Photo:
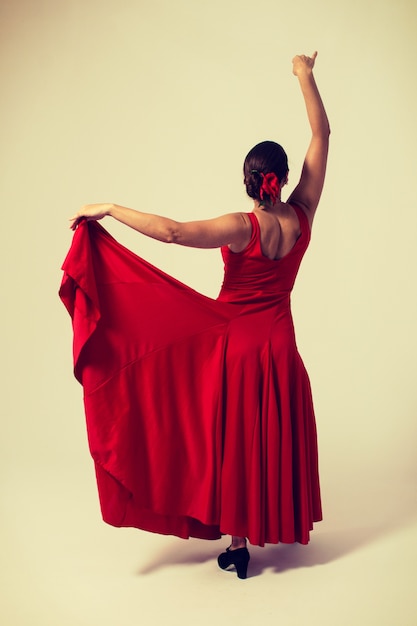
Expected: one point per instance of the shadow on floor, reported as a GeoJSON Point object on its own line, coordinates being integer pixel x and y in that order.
{"type": "Point", "coordinates": [377, 519]}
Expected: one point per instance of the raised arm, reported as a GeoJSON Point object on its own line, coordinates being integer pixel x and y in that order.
{"type": "Point", "coordinates": [233, 228]}
{"type": "Point", "coordinates": [308, 191]}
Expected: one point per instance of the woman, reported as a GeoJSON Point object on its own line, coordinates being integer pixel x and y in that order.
{"type": "Point", "coordinates": [253, 443]}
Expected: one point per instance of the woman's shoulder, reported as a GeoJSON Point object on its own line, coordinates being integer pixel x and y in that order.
{"type": "Point", "coordinates": [303, 214]}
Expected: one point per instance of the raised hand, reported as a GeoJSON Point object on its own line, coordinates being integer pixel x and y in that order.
{"type": "Point", "coordinates": [302, 63]}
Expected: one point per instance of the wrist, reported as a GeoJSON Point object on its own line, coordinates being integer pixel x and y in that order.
{"type": "Point", "coordinates": [306, 74]}
{"type": "Point", "coordinates": [111, 209]}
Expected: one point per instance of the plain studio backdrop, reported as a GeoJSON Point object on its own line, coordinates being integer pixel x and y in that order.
{"type": "Point", "coordinates": [154, 105]}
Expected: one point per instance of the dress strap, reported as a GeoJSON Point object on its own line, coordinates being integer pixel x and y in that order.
{"type": "Point", "coordinates": [256, 231]}
{"type": "Point", "coordinates": [255, 224]}
{"type": "Point", "coordinates": [302, 217]}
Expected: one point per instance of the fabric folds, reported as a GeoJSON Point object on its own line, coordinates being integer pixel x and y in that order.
{"type": "Point", "coordinates": [199, 413]}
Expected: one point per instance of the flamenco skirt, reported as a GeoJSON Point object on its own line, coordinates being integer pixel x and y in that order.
{"type": "Point", "coordinates": [199, 412]}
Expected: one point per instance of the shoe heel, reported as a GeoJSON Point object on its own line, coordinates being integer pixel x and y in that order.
{"type": "Point", "coordinates": [241, 564]}
{"type": "Point", "coordinates": [242, 570]}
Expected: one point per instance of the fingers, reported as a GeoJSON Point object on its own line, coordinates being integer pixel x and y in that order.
{"type": "Point", "coordinates": [74, 221]}
{"type": "Point", "coordinates": [305, 58]}
{"type": "Point", "coordinates": [302, 62]}
{"type": "Point", "coordinates": [309, 60]}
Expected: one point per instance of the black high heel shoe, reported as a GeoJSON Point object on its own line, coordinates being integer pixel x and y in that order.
{"type": "Point", "coordinates": [239, 558]}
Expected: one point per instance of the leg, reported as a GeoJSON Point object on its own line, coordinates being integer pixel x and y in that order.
{"type": "Point", "coordinates": [238, 542]}
{"type": "Point", "coordinates": [236, 554]}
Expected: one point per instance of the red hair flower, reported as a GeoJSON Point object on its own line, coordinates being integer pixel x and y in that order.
{"type": "Point", "coordinates": [270, 186]}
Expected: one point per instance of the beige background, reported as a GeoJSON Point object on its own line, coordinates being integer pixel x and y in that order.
{"type": "Point", "coordinates": [154, 105]}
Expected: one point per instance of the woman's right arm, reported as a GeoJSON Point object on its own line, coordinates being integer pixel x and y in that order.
{"type": "Point", "coordinates": [232, 228]}
{"type": "Point", "coordinates": [308, 191]}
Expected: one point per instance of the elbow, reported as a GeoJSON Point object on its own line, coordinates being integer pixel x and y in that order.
{"type": "Point", "coordinates": [323, 130]}
{"type": "Point", "coordinates": [171, 235]}
{"type": "Point", "coordinates": [323, 134]}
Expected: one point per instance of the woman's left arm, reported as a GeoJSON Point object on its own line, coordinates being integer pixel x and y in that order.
{"type": "Point", "coordinates": [233, 228]}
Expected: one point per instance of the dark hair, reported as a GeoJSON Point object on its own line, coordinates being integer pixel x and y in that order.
{"type": "Point", "coordinates": [265, 157]}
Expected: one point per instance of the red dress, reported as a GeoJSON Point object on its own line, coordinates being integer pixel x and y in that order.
{"type": "Point", "coordinates": [199, 411]}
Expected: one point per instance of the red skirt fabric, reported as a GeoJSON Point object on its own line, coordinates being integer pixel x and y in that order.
{"type": "Point", "coordinates": [199, 412]}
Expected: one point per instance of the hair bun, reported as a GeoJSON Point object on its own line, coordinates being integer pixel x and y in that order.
{"type": "Point", "coordinates": [253, 182]}
{"type": "Point", "coordinates": [264, 159]}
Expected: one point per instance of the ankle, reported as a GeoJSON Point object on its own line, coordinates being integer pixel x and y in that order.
{"type": "Point", "coordinates": [238, 543]}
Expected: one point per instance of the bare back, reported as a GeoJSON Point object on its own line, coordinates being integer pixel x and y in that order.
{"type": "Point", "coordinates": [280, 229]}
